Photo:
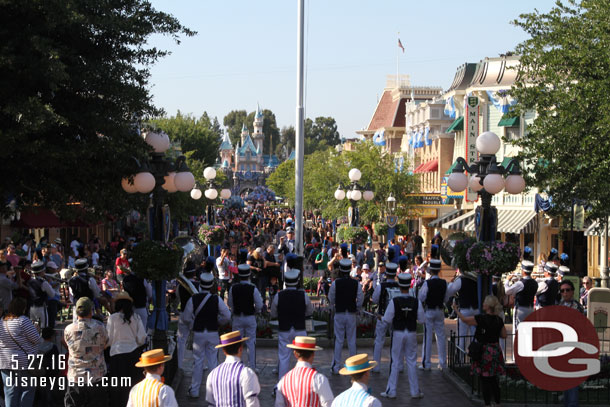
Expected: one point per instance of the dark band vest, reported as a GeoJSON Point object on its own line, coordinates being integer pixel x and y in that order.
{"type": "Point", "coordinates": [346, 293]}
{"type": "Point", "coordinates": [525, 297]}
{"type": "Point", "coordinates": [468, 296]}
{"type": "Point", "coordinates": [243, 299]}
{"type": "Point", "coordinates": [405, 313]}
{"type": "Point", "coordinates": [207, 319]}
{"type": "Point", "coordinates": [437, 288]}
{"type": "Point", "coordinates": [291, 310]}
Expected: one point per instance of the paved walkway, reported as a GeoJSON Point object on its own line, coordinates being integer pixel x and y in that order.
{"type": "Point", "coordinates": [437, 388]}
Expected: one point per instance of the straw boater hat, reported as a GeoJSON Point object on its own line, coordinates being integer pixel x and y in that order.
{"type": "Point", "coordinates": [390, 269]}
{"type": "Point", "coordinates": [304, 343]}
{"type": "Point", "coordinates": [81, 265]}
{"type": "Point", "coordinates": [527, 266]}
{"type": "Point", "coordinates": [291, 277]}
{"type": "Point", "coordinates": [404, 280]}
{"type": "Point", "coordinates": [243, 270]}
{"type": "Point", "coordinates": [123, 295]}
{"type": "Point", "coordinates": [357, 364]}
{"type": "Point", "coordinates": [206, 280]}
{"type": "Point", "coordinates": [153, 357]}
{"type": "Point", "coordinates": [38, 267]}
{"type": "Point", "coordinates": [231, 339]}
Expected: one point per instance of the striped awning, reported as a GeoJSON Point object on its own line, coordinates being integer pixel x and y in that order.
{"type": "Point", "coordinates": [460, 222]}
{"type": "Point", "coordinates": [512, 221]}
{"type": "Point", "coordinates": [445, 218]}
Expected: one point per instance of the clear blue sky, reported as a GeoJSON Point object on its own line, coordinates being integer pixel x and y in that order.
{"type": "Point", "coordinates": [245, 52]}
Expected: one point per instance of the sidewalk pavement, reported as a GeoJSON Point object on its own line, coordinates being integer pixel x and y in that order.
{"type": "Point", "coordinates": [438, 389]}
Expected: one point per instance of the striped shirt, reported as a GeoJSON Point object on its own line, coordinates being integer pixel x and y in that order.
{"type": "Point", "coordinates": [356, 396]}
{"type": "Point", "coordinates": [151, 392]}
{"type": "Point", "coordinates": [231, 384]}
{"type": "Point", "coordinates": [24, 341]}
{"type": "Point", "coordinates": [303, 387]}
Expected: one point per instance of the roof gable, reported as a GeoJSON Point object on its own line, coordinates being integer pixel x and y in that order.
{"type": "Point", "coordinates": [247, 146]}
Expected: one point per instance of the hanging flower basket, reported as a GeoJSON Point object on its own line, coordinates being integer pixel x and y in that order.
{"type": "Point", "coordinates": [211, 235]}
{"type": "Point", "coordinates": [352, 234]}
{"type": "Point", "coordinates": [156, 261]}
{"type": "Point", "coordinates": [493, 258]}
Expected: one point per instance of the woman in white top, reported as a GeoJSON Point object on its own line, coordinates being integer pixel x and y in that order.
{"type": "Point", "coordinates": [126, 335]}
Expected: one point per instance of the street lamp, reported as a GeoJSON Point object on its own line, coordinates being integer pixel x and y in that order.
{"type": "Point", "coordinates": [487, 179]}
{"type": "Point", "coordinates": [354, 194]}
{"type": "Point", "coordinates": [158, 177]}
{"type": "Point", "coordinates": [391, 219]}
{"type": "Point", "coordinates": [211, 193]}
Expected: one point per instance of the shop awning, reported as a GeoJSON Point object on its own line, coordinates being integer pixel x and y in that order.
{"type": "Point", "coordinates": [431, 166]}
{"type": "Point", "coordinates": [512, 221]}
{"type": "Point", "coordinates": [457, 125]}
{"type": "Point", "coordinates": [507, 121]}
{"type": "Point", "coordinates": [420, 168]}
{"type": "Point", "coordinates": [38, 218]}
{"type": "Point", "coordinates": [445, 218]}
{"type": "Point", "coordinates": [460, 222]}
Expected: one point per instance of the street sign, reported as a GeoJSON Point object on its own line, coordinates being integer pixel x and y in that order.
{"type": "Point", "coordinates": [471, 134]}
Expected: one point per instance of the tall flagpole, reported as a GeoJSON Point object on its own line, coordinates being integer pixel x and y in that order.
{"type": "Point", "coordinates": [398, 63]}
{"type": "Point", "coordinates": [299, 135]}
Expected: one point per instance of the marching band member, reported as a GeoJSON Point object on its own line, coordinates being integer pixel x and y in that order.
{"type": "Point", "coordinates": [433, 295]}
{"type": "Point", "coordinates": [524, 291]}
{"type": "Point", "coordinates": [245, 300]}
{"type": "Point", "coordinates": [231, 383]}
{"type": "Point", "coordinates": [41, 291]}
{"type": "Point", "coordinates": [468, 300]}
{"type": "Point", "coordinates": [359, 395]}
{"type": "Point", "coordinates": [403, 313]}
{"type": "Point", "coordinates": [204, 313]}
{"type": "Point", "coordinates": [183, 328]}
{"type": "Point", "coordinates": [290, 306]}
{"type": "Point", "coordinates": [548, 290]}
{"type": "Point", "coordinates": [382, 296]}
{"type": "Point", "coordinates": [346, 297]}
{"type": "Point", "coordinates": [151, 391]}
{"type": "Point", "coordinates": [303, 386]}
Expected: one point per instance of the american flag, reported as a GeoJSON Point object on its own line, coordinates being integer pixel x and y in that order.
{"type": "Point", "coordinates": [400, 46]}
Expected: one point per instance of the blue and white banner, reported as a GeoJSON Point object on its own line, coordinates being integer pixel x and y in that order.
{"type": "Point", "coordinates": [427, 139]}
{"type": "Point", "coordinates": [379, 138]}
{"type": "Point", "coordinates": [450, 108]}
{"type": "Point", "coordinates": [501, 100]}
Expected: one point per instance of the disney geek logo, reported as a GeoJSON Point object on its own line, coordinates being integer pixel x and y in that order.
{"type": "Point", "coordinates": [557, 348]}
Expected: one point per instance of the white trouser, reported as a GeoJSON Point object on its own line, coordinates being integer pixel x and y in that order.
{"type": "Point", "coordinates": [380, 330]}
{"type": "Point", "coordinates": [519, 315]}
{"type": "Point", "coordinates": [143, 313]}
{"type": "Point", "coordinates": [182, 336]}
{"type": "Point", "coordinates": [403, 342]}
{"type": "Point", "coordinates": [345, 327]}
{"type": "Point", "coordinates": [435, 325]}
{"type": "Point", "coordinates": [284, 353]}
{"type": "Point", "coordinates": [203, 349]}
{"type": "Point", "coordinates": [246, 324]}
{"type": "Point", "coordinates": [40, 314]}
{"type": "Point", "coordinates": [464, 329]}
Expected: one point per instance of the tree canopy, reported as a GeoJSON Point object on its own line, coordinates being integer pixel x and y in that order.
{"type": "Point", "coordinates": [73, 86]}
{"type": "Point", "coordinates": [325, 169]}
{"type": "Point", "coordinates": [563, 77]}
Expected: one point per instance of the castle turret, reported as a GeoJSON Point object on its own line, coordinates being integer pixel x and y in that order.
{"type": "Point", "coordinates": [244, 133]}
{"type": "Point", "coordinates": [258, 135]}
{"type": "Point", "coordinates": [226, 151]}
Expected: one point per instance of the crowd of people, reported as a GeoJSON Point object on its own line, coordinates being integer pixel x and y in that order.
{"type": "Point", "coordinates": [256, 271]}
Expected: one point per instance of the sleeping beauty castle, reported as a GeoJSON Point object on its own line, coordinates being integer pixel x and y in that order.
{"type": "Point", "coordinates": [245, 163]}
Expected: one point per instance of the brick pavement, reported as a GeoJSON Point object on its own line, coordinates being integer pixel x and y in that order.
{"type": "Point", "coordinates": [438, 389]}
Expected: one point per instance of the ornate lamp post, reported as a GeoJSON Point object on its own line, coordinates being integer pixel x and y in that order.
{"type": "Point", "coordinates": [158, 177]}
{"type": "Point", "coordinates": [487, 179]}
{"type": "Point", "coordinates": [391, 219]}
{"type": "Point", "coordinates": [354, 194]}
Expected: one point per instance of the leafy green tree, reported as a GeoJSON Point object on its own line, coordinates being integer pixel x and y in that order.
{"type": "Point", "coordinates": [281, 181]}
{"type": "Point", "coordinates": [234, 121]}
{"type": "Point", "coordinates": [286, 145]}
{"type": "Point", "coordinates": [73, 86]}
{"type": "Point", "coordinates": [199, 136]}
{"type": "Point", "coordinates": [563, 77]}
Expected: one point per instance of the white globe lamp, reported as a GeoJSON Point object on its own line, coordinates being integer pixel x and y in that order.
{"type": "Point", "coordinates": [196, 193]}
{"type": "Point", "coordinates": [368, 195]}
{"type": "Point", "coordinates": [158, 141]}
{"type": "Point", "coordinates": [354, 174]}
{"type": "Point", "coordinates": [493, 183]}
{"type": "Point", "coordinates": [169, 184]}
{"type": "Point", "coordinates": [339, 194]}
{"type": "Point", "coordinates": [225, 193]}
{"type": "Point", "coordinates": [209, 173]}
{"type": "Point", "coordinates": [144, 182]}
{"type": "Point", "coordinates": [349, 194]}
{"type": "Point", "coordinates": [457, 181]}
{"type": "Point", "coordinates": [475, 183]}
{"type": "Point", "coordinates": [128, 187]}
{"type": "Point", "coordinates": [184, 181]}
{"type": "Point", "coordinates": [356, 195]}
{"type": "Point", "coordinates": [488, 143]}
{"type": "Point", "coordinates": [211, 194]}
{"type": "Point", "coordinates": [514, 184]}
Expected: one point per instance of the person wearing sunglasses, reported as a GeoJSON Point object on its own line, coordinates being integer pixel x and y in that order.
{"type": "Point", "coordinates": [566, 289]}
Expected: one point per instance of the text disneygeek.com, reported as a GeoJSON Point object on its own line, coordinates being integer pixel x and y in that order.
{"type": "Point", "coordinates": [62, 382]}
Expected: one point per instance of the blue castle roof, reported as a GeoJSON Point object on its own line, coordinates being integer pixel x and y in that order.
{"type": "Point", "coordinates": [271, 161]}
{"type": "Point", "coordinates": [248, 145]}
